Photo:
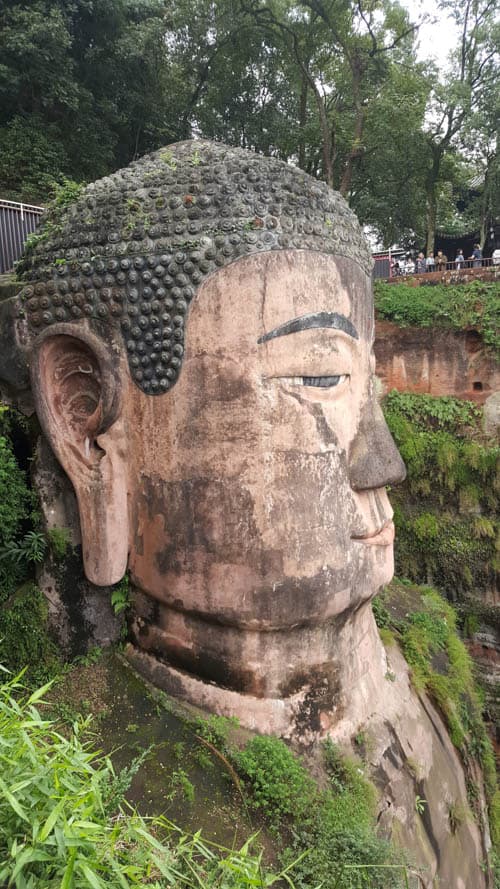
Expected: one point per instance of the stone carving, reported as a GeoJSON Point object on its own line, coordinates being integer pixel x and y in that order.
{"type": "Point", "coordinates": [247, 500]}
{"type": "Point", "coordinates": [133, 251]}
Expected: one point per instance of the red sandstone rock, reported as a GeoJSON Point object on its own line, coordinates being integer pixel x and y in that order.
{"type": "Point", "coordinates": [435, 361]}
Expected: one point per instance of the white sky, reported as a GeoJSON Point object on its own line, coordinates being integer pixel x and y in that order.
{"type": "Point", "coordinates": [438, 37]}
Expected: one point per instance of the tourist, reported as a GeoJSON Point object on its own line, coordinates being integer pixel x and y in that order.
{"type": "Point", "coordinates": [477, 256]}
{"type": "Point", "coordinates": [430, 262]}
{"type": "Point", "coordinates": [459, 260]}
{"type": "Point", "coordinates": [441, 260]}
{"type": "Point", "coordinates": [495, 256]}
{"type": "Point", "coordinates": [420, 264]}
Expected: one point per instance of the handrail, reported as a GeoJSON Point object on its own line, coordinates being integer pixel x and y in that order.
{"type": "Point", "coordinates": [20, 205]}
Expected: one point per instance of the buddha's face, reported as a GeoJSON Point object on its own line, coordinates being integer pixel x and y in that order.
{"type": "Point", "coordinates": [258, 482]}
{"type": "Point", "coordinates": [251, 497]}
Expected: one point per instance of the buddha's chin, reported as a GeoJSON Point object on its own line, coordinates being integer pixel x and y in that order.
{"type": "Point", "coordinates": [381, 568]}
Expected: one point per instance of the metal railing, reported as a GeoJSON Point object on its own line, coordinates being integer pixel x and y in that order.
{"type": "Point", "coordinates": [17, 222]}
{"type": "Point", "coordinates": [405, 271]}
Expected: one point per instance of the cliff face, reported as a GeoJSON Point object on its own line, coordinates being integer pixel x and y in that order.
{"type": "Point", "coordinates": [435, 361]}
{"type": "Point", "coordinates": [422, 781]}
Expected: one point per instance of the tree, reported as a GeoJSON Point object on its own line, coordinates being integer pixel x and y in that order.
{"type": "Point", "coordinates": [472, 73]}
{"type": "Point", "coordinates": [343, 51]}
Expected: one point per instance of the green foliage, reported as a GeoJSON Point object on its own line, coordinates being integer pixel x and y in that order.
{"type": "Point", "coordinates": [15, 498]}
{"type": "Point", "coordinates": [120, 595]}
{"type": "Point", "coordinates": [446, 512]}
{"type": "Point", "coordinates": [23, 634]}
{"type": "Point", "coordinates": [120, 782]}
{"type": "Point", "coordinates": [281, 786]}
{"type": "Point", "coordinates": [461, 306]}
{"type": "Point", "coordinates": [380, 613]}
{"type": "Point", "coordinates": [59, 541]}
{"type": "Point", "coordinates": [66, 192]}
{"type": "Point", "coordinates": [336, 826]}
{"type": "Point", "coordinates": [215, 730]}
{"type": "Point", "coordinates": [23, 611]}
{"type": "Point", "coordinates": [442, 667]}
{"type": "Point", "coordinates": [180, 782]}
{"type": "Point", "coordinates": [32, 157]}
{"type": "Point", "coordinates": [56, 830]}
{"type": "Point", "coordinates": [430, 412]}
{"type": "Point", "coordinates": [30, 548]}
{"type": "Point", "coordinates": [420, 805]}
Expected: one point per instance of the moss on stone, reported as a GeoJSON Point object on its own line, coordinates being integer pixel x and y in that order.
{"type": "Point", "coordinates": [425, 625]}
{"type": "Point", "coordinates": [475, 304]}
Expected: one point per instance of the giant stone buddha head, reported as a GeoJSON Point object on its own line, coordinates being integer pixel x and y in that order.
{"type": "Point", "coordinates": [200, 330]}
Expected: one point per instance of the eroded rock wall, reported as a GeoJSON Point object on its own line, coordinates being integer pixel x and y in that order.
{"type": "Point", "coordinates": [435, 361]}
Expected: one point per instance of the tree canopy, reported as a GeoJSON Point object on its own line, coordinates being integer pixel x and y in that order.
{"type": "Point", "coordinates": [333, 86]}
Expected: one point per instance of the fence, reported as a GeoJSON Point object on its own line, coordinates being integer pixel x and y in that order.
{"type": "Point", "coordinates": [398, 267]}
{"type": "Point", "coordinates": [405, 269]}
{"type": "Point", "coordinates": [17, 221]}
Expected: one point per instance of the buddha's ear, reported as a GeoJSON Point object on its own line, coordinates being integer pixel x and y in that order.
{"type": "Point", "coordinates": [76, 389]}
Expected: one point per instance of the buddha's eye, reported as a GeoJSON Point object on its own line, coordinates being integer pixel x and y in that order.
{"type": "Point", "coordinates": [317, 382]}
{"type": "Point", "coordinates": [324, 382]}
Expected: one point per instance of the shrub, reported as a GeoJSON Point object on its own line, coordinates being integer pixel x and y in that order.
{"type": "Point", "coordinates": [281, 787]}
{"type": "Point", "coordinates": [446, 512]}
{"type": "Point", "coordinates": [461, 306]}
{"type": "Point", "coordinates": [332, 832]}
{"type": "Point", "coordinates": [55, 831]}
{"type": "Point", "coordinates": [23, 635]}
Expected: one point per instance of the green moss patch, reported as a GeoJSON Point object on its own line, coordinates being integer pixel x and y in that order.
{"type": "Point", "coordinates": [446, 512]}
{"type": "Point", "coordinates": [425, 624]}
{"type": "Point", "coordinates": [331, 830]}
{"type": "Point", "coordinates": [458, 307]}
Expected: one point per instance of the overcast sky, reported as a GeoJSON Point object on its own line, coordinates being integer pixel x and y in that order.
{"type": "Point", "coordinates": [435, 40]}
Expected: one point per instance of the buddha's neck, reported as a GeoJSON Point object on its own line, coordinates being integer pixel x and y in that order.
{"type": "Point", "coordinates": [305, 680]}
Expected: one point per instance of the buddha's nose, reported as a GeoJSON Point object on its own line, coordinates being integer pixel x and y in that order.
{"type": "Point", "coordinates": [374, 460]}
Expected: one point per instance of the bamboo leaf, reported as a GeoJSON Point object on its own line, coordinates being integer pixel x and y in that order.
{"type": "Point", "coordinates": [67, 880]}
{"type": "Point", "coordinates": [18, 809]}
{"type": "Point", "coordinates": [51, 820]}
{"type": "Point", "coordinates": [94, 881]}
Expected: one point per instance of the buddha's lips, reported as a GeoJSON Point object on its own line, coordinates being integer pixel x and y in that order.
{"type": "Point", "coordinates": [383, 537]}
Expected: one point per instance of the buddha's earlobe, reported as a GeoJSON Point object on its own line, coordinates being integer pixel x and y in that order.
{"type": "Point", "coordinates": [77, 399]}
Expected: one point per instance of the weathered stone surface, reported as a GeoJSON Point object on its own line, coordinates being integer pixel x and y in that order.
{"type": "Point", "coordinates": [80, 614]}
{"type": "Point", "coordinates": [492, 414]}
{"type": "Point", "coordinates": [248, 500]}
{"type": "Point", "coordinates": [435, 361]}
{"type": "Point", "coordinates": [131, 253]}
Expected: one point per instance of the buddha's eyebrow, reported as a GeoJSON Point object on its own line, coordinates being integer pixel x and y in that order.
{"type": "Point", "coordinates": [306, 322]}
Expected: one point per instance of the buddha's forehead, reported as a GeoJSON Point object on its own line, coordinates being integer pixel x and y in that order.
{"type": "Point", "coordinates": [259, 294]}
{"type": "Point", "coordinates": [127, 259]}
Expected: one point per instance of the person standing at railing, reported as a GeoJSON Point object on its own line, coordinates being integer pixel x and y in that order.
{"type": "Point", "coordinates": [441, 260]}
{"type": "Point", "coordinates": [495, 256]}
{"type": "Point", "coordinates": [459, 260]}
{"type": "Point", "coordinates": [430, 262]}
{"type": "Point", "coordinates": [420, 264]}
{"type": "Point", "coordinates": [477, 256]}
